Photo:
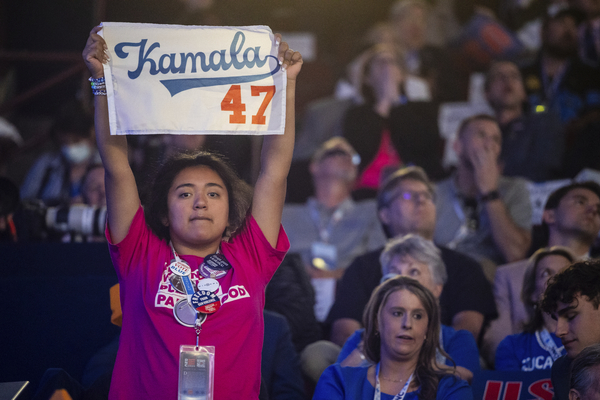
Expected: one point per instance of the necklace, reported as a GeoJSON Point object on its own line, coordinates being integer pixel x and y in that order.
{"type": "Point", "coordinates": [391, 380]}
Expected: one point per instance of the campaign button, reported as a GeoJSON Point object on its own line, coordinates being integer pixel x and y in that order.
{"type": "Point", "coordinates": [208, 272]}
{"type": "Point", "coordinates": [217, 261]}
{"type": "Point", "coordinates": [206, 302]}
{"type": "Point", "coordinates": [208, 284]}
{"type": "Point", "coordinates": [185, 313]}
{"type": "Point", "coordinates": [180, 268]}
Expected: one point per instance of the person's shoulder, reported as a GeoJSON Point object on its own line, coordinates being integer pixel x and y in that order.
{"type": "Point", "coordinates": [444, 183]}
{"type": "Point", "coordinates": [451, 387]}
{"type": "Point", "coordinates": [512, 183]}
{"type": "Point", "coordinates": [368, 257]}
{"type": "Point", "coordinates": [512, 268]}
{"type": "Point", "coordinates": [513, 341]}
{"type": "Point", "coordinates": [293, 210]}
{"type": "Point", "coordinates": [449, 333]}
{"type": "Point", "coordinates": [275, 319]}
{"type": "Point", "coordinates": [367, 263]}
{"type": "Point", "coordinates": [365, 205]}
{"type": "Point", "coordinates": [542, 120]}
{"type": "Point", "coordinates": [325, 104]}
{"type": "Point", "coordinates": [347, 374]}
{"type": "Point", "coordinates": [455, 259]}
{"type": "Point", "coordinates": [562, 364]}
{"type": "Point", "coordinates": [48, 159]}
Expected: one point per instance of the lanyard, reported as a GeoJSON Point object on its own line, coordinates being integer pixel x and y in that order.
{"type": "Point", "coordinates": [439, 358]}
{"type": "Point", "coordinates": [190, 316]}
{"type": "Point", "coordinates": [547, 343]}
{"type": "Point", "coordinates": [399, 396]}
{"type": "Point", "coordinates": [326, 229]}
{"type": "Point", "coordinates": [551, 88]}
{"type": "Point", "coordinates": [464, 230]}
{"type": "Point", "coordinates": [185, 272]}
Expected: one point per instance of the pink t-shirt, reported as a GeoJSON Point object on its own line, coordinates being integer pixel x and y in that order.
{"type": "Point", "coordinates": [386, 157]}
{"type": "Point", "coordinates": [147, 365]}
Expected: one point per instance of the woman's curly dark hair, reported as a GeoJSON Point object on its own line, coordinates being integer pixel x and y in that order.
{"type": "Point", "coordinates": [156, 206]}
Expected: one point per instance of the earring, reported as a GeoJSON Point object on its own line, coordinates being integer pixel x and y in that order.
{"type": "Point", "coordinates": [425, 337]}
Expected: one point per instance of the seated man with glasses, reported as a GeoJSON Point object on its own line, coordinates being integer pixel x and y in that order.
{"type": "Point", "coordinates": [406, 204]}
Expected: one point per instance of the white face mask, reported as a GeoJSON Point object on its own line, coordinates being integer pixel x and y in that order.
{"type": "Point", "coordinates": [76, 153]}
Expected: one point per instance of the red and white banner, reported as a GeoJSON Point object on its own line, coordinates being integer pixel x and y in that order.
{"type": "Point", "coordinates": [173, 79]}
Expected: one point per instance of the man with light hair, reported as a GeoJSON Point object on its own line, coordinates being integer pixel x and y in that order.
{"type": "Point", "coordinates": [585, 371]}
{"type": "Point", "coordinates": [331, 229]}
{"type": "Point", "coordinates": [414, 248]}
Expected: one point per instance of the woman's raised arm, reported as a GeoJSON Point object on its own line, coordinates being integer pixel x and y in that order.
{"type": "Point", "coordinates": [122, 199]}
{"type": "Point", "coordinates": [276, 155]}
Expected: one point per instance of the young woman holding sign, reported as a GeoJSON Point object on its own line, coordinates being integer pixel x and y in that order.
{"type": "Point", "coordinates": [202, 243]}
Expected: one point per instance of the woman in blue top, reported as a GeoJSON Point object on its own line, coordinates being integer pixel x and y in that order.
{"type": "Point", "coordinates": [537, 347]}
{"type": "Point", "coordinates": [420, 259]}
{"type": "Point", "coordinates": [401, 339]}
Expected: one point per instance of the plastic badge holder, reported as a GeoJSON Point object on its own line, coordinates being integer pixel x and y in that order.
{"type": "Point", "coordinates": [196, 372]}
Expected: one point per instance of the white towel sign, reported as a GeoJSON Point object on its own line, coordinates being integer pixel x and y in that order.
{"type": "Point", "coordinates": [193, 80]}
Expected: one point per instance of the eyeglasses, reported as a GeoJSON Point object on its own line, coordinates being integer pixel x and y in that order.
{"type": "Point", "coordinates": [340, 152]}
{"type": "Point", "coordinates": [410, 195]}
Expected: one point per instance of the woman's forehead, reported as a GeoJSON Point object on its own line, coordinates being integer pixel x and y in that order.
{"type": "Point", "coordinates": [198, 175]}
{"type": "Point", "coordinates": [404, 298]}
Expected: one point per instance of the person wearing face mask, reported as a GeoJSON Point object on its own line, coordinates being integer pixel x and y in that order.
{"type": "Point", "coordinates": [56, 176]}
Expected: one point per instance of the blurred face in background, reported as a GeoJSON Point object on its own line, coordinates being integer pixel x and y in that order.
{"type": "Point", "coordinates": [560, 37]}
{"type": "Point", "coordinates": [383, 69]}
{"type": "Point", "coordinates": [577, 214]}
{"type": "Point", "coordinates": [410, 25]}
{"type": "Point", "coordinates": [412, 268]}
{"type": "Point", "coordinates": [505, 86]}
{"type": "Point", "coordinates": [93, 188]}
{"type": "Point", "coordinates": [546, 268]}
{"type": "Point", "coordinates": [336, 163]}
{"type": "Point", "coordinates": [479, 136]}
{"type": "Point", "coordinates": [410, 210]}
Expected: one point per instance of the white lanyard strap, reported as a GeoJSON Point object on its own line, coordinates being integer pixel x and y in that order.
{"type": "Point", "coordinates": [326, 229]}
{"type": "Point", "coordinates": [439, 358]}
{"type": "Point", "coordinates": [547, 343]}
{"type": "Point", "coordinates": [174, 252]}
{"type": "Point", "coordinates": [463, 231]}
{"type": "Point", "coordinates": [399, 396]}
